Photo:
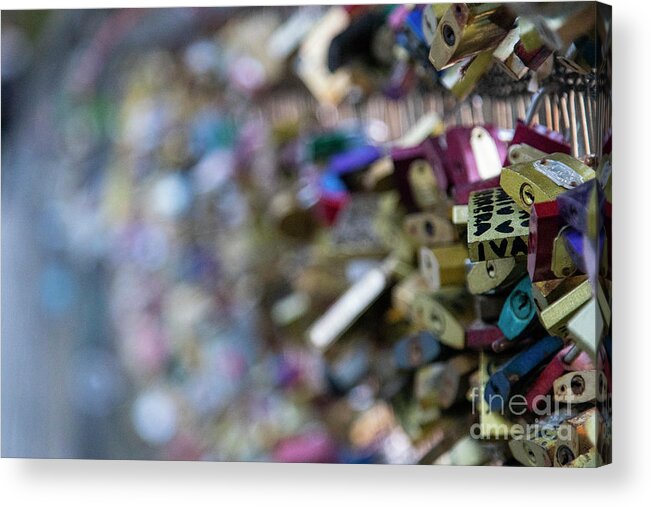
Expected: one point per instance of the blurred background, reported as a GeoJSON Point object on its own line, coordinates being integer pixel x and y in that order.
{"type": "Point", "coordinates": [169, 232]}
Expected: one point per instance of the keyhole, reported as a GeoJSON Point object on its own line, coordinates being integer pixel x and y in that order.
{"type": "Point", "coordinates": [564, 455]}
{"type": "Point", "coordinates": [448, 35]}
{"type": "Point", "coordinates": [490, 269]}
{"type": "Point", "coordinates": [521, 305]}
{"type": "Point", "coordinates": [577, 384]}
{"type": "Point", "coordinates": [526, 194]}
{"type": "Point", "coordinates": [436, 322]}
{"type": "Point", "coordinates": [415, 353]}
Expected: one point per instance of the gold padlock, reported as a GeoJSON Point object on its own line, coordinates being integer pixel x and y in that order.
{"type": "Point", "coordinates": [558, 313]}
{"type": "Point", "coordinates": [446, 313]}
{"type": "Point", "coordinates": [543, 179]}
{"type": "Point", "coordinates": [462, 78]}
{"type": "Point", "coordinates": [588, 426]}
{"type": "Point", "coordinates": [485, 276]}
{"type": "Point", "coordinates": [581, 387]}
{"type": "Point", "coordinates": [506, 58]}
{"type": "Point", "coordinates": [429, 229]}
{"type": "Point", "coordinates": [497, 227]}
{"type": "Point", "coordinates": [590, 459]}
{"type": "Point", "coordinates": [519, 153]}
{"type": "Point", "coordinates": [443, 266]}
{"type": "Point", "coordinates": [467, 29]}
{"type": "Point", "coordinates": [562, 263]}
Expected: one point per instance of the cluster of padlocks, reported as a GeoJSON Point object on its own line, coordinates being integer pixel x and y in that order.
{"type": "Point", "coordinates": [360, 234]}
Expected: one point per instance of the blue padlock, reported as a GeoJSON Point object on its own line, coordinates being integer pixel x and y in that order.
{"type": "Point", "coordinates": [498, 389]}
{"type": "Point", "coordinates": [416, 350]}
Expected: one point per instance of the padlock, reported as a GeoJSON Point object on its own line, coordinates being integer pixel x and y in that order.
{"type": "Point", "coordinates": [472, 154]}
{"type": "Point", "coordinates": [497, 228]}
{"type": "Point", "coordinates": [492, 424]}
{"type": "Point", "coordinates": [581, 387]}
{"type": "Point", "coordinates": [537, 42]}
{"type": "Point", "coordinates": [544, 226]}
{"type": "Point", "coordinates": [443, 383]}
{"type": "Point", "coordinates": [443, 266]}
{"type": "Point", "coordinates": [429, 229]}
{"type": "Point", "coordinates": [416, 350]}
{"type": "Point", "coordinates": [460, 215]}
{"type": "Point", "coordinates": [481, 336]}
{"type": "Point", "coordinates": [467, 29]}
{"type": "Point", "coordinates": [544, 382]}
{"type": "Point", "coordinates": [405, 291]}
{"type": "Point", "coordinates": [501, 382]}
{"type": "Point", "coordinates": [372, 426]}
{"type": "Point", "coordinates": [539, 138]}
{"type": "Point", "coordinates": [519, 311]}
{"type": "Point", "coordinates": [504, 55]}
{"type": "Point", "coordinates": [348, 363]}
{"type": "Point", "coordinates": [446, 313]}
{"type": "Point", "coordinates": [548, 291]}
{"type": "Point", "coordinates": [312, 63]}
{"type": "Point", "coordinates": [567, 446]}
{"type": "Point", "coordinates": [551, 446]}
{"type": "Point", "coordinates": [556, 315]}
{"type": "Point", "coordinates": [588, 426]}
{"type": "Point", "coordinates": [349, 165]}
{"type": "Point", "coordinates": [351, 305]}
{"type": "Point", "coordinates": [518, 153]}
{"type": "Point", "coordinates": [563, 262]}
{"type": "Point", "coordinates": [487, 276]}
{"type": "Point", "coordinates": [581, 208]}
{"type": "Point", "coordinates": [462, 78]}
{"type": "Point", "coordinates": [418, 176]}
{"type": "Point", "coordinates": [379, 176]}
{"type": "Point", "coordinates": [590, 459]}
{"type": "Point", "coordinates": [544, 179]}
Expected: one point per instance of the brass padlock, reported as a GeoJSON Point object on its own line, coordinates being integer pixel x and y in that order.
{"type": "Point", "coordinates": [446, 313]}
{"type": "Point", "coordinates": [558, 313]}
{"type": "Point", "coordinates": [467, 29]}
{"type": "Point", "coordinates": [543, 179]}
{"type": "Point", "coordinates": [562, 263]}
{"type": "Point", "coordinates": [429, 229]}
{"type": "Point", "coordinates": [506, 58]}
{"type": "Point", "coordinates": [590, 459]}
{"type": "Point", "coordinates": [487, 276]}
{"type": "Point", "coordinates": [581, 387]}
{"type": "Point", "coordinates": [443, 266]}
{"type": "Point", "coordinates": [497, 227]}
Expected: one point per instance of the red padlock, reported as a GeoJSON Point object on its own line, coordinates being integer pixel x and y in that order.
{"type": "Point", "coordinates": [544, 225]}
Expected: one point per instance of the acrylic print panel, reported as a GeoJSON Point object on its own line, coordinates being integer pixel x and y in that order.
{"type": "Point", "coordinates": [349, 234]}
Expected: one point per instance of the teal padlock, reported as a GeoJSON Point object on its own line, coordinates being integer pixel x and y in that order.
{"type": "Point", "coordinates": [518, 312]}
